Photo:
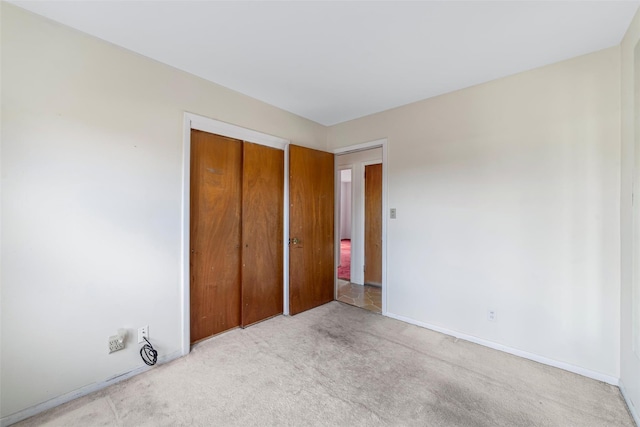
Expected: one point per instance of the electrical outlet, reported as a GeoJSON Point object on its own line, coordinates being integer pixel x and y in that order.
{"type": "Point", "coordinates": [392, 213]}
{"type": "Point", "coordinates": [492, 316]}
{"type": "Point", "coordinates": [143, 332]}
{"type": "Point", "coordinates": [116, 342]}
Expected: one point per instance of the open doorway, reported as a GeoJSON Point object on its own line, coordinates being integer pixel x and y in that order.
{"type": "Point", "coordinates": [359, 198]}
{"type": "Point", "coordinates": [344, 265]}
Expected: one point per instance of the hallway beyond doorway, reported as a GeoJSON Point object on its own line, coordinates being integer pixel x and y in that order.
{"type": "Point", "coordinates": [363, 296]}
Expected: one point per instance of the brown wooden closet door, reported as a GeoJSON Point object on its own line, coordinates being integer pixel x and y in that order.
{"type": "Point", "coordinates": [216, 191]}
{"type": "Point", "coordinates": [311, 216]}
{"type": "Point", "coordinates": [373, 224]}
{"type": "Point", "coordinates": [262, 216]}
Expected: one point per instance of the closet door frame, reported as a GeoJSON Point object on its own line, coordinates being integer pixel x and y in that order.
{"type": "Point", "coordinates": [194, 121]}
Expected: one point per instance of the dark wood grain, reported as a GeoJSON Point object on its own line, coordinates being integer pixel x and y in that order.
{"type": "Point", "coordinates": [311, 219]}
{"type": "Point", "coordinates": [373, 224]}
{"type": "Point", "coordinates": [216, 194]}
{"type": "Point", "coordinates": [262, 222]}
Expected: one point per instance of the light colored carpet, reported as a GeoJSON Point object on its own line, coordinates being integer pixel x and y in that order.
{"type": "Point", "coordinates": [338, 365]}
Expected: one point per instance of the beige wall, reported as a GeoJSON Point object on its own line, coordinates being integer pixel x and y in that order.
{"type": "Point", "coordinates": [91, 201]}
{"type": "Point", "coordinates": [507, 198]}
{"type": "Point", "coordinates": [630, 232]}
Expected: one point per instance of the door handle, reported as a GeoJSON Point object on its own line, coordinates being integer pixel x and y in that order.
{"type": "Point", "coordinates": [294, 241]}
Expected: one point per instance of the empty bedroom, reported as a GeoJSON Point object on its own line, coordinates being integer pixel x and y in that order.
{"type": "Point", "coordinates": [342, 213]}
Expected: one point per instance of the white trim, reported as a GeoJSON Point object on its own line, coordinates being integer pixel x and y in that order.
{"type": "Point", "coordinates": [632, 409]}
{"type": "Point", "coordinates": [385, 204]}
{"type": "Point", "coordinates": [516, 352]}
{"type": "Point", "coordinates": [361, 147]}
{"type": "Point", "coordinates": [83, 391]}
{"type": "Point", "coordinates": [285, 237]}
{"type": "Point", "coordinates": [385, 222]}
{"type": "Point", "coordinates": [194, 121]}
{"type": "Point", "coordinates": [184, 238]}
{"type": "Point", "coordinates": [232, 131]}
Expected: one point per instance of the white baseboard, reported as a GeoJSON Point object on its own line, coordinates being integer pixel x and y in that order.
{"type": "Point", "coordinates": [632, 409]}
{"type": "Point", "coordinates": [531, 356]}
{"type": "Point", "coordinates": [41, 407]}
{"type": "Point", "coordinates": [83, 391]}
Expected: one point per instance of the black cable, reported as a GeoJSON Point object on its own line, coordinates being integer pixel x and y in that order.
{"type": "Point", "coordinates": [148, 353]}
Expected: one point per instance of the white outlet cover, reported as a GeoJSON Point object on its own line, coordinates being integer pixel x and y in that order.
{"type": "Point", "coordinates": [143, 332]}
{"type": "Point", "coordinates": [115, 343]}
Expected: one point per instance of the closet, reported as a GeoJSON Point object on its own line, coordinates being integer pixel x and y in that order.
{"type": "Point", "coordinates": [236, 233]}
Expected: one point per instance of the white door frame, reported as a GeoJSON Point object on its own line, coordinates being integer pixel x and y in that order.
{"type": "Point", "coordinates": [385, 207]}
{"type": "Point", "coordinates": [194, 121]}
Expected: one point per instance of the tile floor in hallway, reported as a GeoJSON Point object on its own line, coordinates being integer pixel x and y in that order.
{"type": "Point", "coordinates": [363, 296]}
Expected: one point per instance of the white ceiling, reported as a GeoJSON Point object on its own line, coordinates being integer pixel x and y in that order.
{"type": "Point", "coordinates": [336, 61]}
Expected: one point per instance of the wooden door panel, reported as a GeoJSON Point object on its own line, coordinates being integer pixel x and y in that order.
{"type": "Point", "coordinates": [215, 233]}
{"type": "Point", "coordinates": [311, 222]}
{"type": "Point", "coordinates": [373, 224]}
{"type": "Point", "coordinates": [262, 228]}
